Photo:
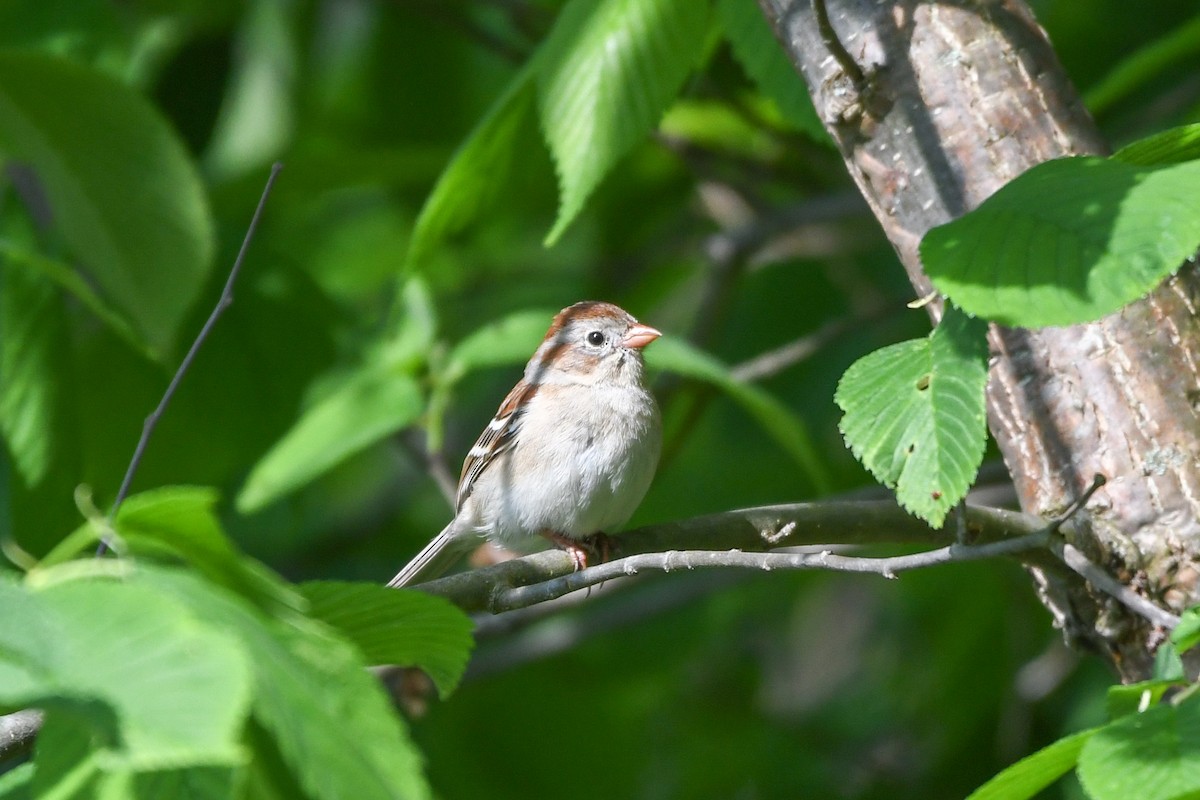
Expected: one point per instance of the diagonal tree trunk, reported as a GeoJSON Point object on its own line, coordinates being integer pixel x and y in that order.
{"type": "Point", "coordinates": [934, 106]}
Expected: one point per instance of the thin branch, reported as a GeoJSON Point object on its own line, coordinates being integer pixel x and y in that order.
{"type": "Point", "coordinates": [748, 530]}
{"type": "Point", "coordinates": [830, 38]}
{"type": "Point", "coordinates": [1077, 561]}
{"type": "Point", "coordinates": [676, 560]}
{"type": "Point", "coordinates": [223, 303]}
{"type": "Point", "coordinates": [772, 362]}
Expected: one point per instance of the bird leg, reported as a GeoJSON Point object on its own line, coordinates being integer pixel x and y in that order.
{"type": "Point", "coordinates": [598, 544]}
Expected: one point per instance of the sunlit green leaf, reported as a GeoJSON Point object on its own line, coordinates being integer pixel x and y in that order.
{"type": "Point", "coordinates": [158, 687]}
{"type": "Point", "coordinates": [1068, 241]}
{"type": "Point", "coordinates": [182, 520]}
{"type": "Point", "coordinates": [915, 414]}
{"type": "Point", "coordinates": [397, 627]}
{"type": "Point", "coordinates": [1134, 698]}
{"type": "Point", "coordinates": [333, 726]}
{"type": "Point", "coordinates": [1151, 756]}
{"type": "Point", "coordinates": [480, 173]}
{"type": "Point", "coordinates": [605, 76]}
{"type": "Point", "coordinates": [120, 186]}
{"type": "Point", "coordinates": [1172, 146]}
{"type": "Point", "coordinates": [755, 46]}
{"type": "Point", "coordinates": [1187, 633]}
{"type": "Point", "coordinates": [369, 406]}
{"type": "Point", "coordinates": [1034, 773]}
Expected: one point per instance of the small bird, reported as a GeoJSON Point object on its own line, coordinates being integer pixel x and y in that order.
{"type": "Point", "coordinates": [571, 451]}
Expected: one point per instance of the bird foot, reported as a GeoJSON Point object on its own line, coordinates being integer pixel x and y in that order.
{"type": "Point", "coordinates": [581, 550]}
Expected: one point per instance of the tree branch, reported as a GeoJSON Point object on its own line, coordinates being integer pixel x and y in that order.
{"type": "Point", "coordinates": [746, 531]}
{"type": "Point", "coordinates": [17, 733]}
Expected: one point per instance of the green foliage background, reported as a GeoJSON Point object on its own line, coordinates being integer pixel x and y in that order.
{"type": "Point", "coordinates": [683, 686]}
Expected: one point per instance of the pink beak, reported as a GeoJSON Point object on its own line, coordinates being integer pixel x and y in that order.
{"type": "Point", "coordinates": [639, 336]}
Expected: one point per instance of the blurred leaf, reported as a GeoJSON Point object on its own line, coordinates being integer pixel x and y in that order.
{"type": "Point", "coordinates": [673, 354]}
{"type": "Point", "coordinates": [717, 125]}
{"type": "Point", "coordinates": [1186, 634]}
{"type": "Point", "coordinates": [119, 185]}
{"type": "Point", "coordinates": [605, 76]}
{"type": "Point", "coordinates": [1135, 698]}
{"type": "Point", "coordinates": [480, 173]}
{"type": "Point", "coordinates": [33, 349]}
{"type": "Point", "coordinates": [1146, 67]}
{"type": "Point", "coordinates": [1172, 146]}
{"type": "Point", "coordinates": [397, 627]}
{"type": "Point", "coordinates": [371, 405]}
{"type": "Point", "coordinates": [1151, 756]}
{"type": "Point", "coordinates": [760, 54]}
{"type": "Point", "coordinates": [76, 284]}
{"type": "Point", "coordinates": [915, 414]}
{"type": "Point", "coordinates": [415, 328]}
{"type": "Point", "coordinates": [1113, 232]}
{"type": "Point", "coordinates": [1168, 666]}
{"type": "Point", "coordinates": [157, 687]}
{"type": "Point", "coordinates": [14, 784]}
{"type": "Point", "coordinates": [333, 725]}
{"type": "Point", "coordinates": [508, 340]}
{"type": "Point", "coordinates": [1034, 773]}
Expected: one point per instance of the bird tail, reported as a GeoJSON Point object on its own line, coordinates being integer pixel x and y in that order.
{"type": "Point", "coordinates": [435, 558]}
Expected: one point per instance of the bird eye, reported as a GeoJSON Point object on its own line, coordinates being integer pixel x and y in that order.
{"type": "Point", "coordinates": [595, 338]}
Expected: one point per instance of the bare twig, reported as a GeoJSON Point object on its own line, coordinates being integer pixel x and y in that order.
{"type": "Point", "coordinates": [775, 361]}
{"type": "Point", "coordinates": [836, 49]}
{"type": "Point", "coordinates": [1081, 501]}
{"type": "Point", "coordinates": [223, 303]}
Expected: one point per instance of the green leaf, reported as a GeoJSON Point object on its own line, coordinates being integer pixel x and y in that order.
{"type": "Point", "coordinates": [1168, 666]}
{"type": "Point", "coordinates": [480, 174]}
{"type": "Point", "coordinates": [372, 404]}
{"type": "Point", "coordinates": [332, 723]}
{"type": "Point", "coordinates": [120, 185]}
{"type": "Point", "coordinates": [33, 349]}
{"type": "Point", "coordinates": [605, 76]}
{"type": "Point", "coordinates": [14, 784]}
{"type": "Point", "coordinates": [1146, 68]}
{"type": "Point", "coordinates": [1033, 773]}
{"type": "Point", "coordinates": [509, 340]}
{"type": "Point", "coordinates": [1187, 633]}
{"type": "Point", "coordinates": [70, 765]}
{"type": "Point", "coordinates": [1168, 147]}
{"type": "Point", "coordinates": [158, 687]}
{"type": "Point", "coordinates": [1135, 698]}
{"type": "Point", "coordinates": [787, 429]}
{"type": "Point", "coordinates": [182, 520]}
{"type": "Point", "coordinates": [760, 54]}
{"type": "Point", "coordinates": [1068, 241]}
{"type": "Point", "coordinates": [915, 414]}
{"type": "Point", "coordinates": [397, 627]}
{"type": "Point", "coordinates": [1150, 756]}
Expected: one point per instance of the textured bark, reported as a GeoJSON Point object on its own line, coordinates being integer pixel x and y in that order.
{"type": "Point", "coordinates": [955, 99]}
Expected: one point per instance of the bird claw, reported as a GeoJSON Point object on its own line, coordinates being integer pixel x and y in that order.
{"type": "Point", "coordinates": [598, 544]}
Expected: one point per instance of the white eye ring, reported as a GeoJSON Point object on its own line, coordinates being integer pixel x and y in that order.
{"type": "Point", "coordinates": [595, 338]}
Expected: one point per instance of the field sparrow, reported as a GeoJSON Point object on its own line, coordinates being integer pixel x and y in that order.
{"type": "Point", "coordinates": [571, 451]}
